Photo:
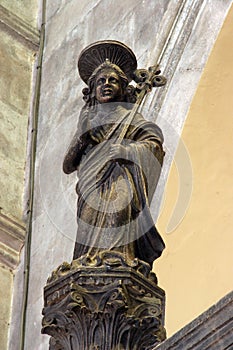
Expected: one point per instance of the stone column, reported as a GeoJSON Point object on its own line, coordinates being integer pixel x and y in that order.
{"type": "Point", "coordinates": [104, 304]}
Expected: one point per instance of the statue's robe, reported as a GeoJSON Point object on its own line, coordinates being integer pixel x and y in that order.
{"type": "Point", "coordinates": [114, 195]}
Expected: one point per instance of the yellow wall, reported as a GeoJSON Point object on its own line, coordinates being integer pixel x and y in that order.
{"type": "Point", "coordinates": [196, 268]}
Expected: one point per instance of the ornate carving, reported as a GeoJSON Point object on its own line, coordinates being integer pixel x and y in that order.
{"type": "Point", "coordinates": [105, 260]}
{"type": "Point", "coordinates": [146, 79]}
{"type": "Point", "coordinates": [107, 307]}
{"type": "Point", "coordinates": [95, 54]}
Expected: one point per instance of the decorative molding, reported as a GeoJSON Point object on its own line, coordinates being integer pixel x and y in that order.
{"type": "Point", "coordinates": [18, 28]}
{"type": "Point", "coordinates": [112, 305]}
{"type": "Point", "coordinates": [182, 59]}
{"type": "Point", "coordinates": [184, 25]}
{"type": "Point", "coordinates": [173, 49]}
{"type": "Point", "coordinates": [12, 235]}
{"type": "Point", "coordinates": [211, 330]}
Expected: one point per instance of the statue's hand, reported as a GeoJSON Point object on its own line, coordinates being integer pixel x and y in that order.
{"type": "Point", "coordinates": [117, 151]}
{"type": "Point", "coordinates": [97, 134]}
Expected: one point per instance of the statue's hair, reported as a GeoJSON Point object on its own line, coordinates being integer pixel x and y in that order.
{"type": "Point", "coordinates": [111, 66]}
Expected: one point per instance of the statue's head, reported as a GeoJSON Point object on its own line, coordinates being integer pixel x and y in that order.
{"type": "Point", "coordinates": [108, 83]}
{"type": "Point", "coordinates": [106, 67]}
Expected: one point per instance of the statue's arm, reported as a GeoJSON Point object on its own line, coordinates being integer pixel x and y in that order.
{"type": "Point", "coordinates": [148, 137]}
{"type": "Point", "coordinates": [151, 138]}
{"type": "Point", "coordinates": [155, 147]}
{"type": "Point", "coordinates": [74, 153]}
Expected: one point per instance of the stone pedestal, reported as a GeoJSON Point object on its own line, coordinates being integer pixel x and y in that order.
{"type": "Point", "coordinates": [105, 304]}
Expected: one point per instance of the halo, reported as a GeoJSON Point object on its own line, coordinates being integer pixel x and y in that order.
{"type": "Point", "coordinates": [95, 54]}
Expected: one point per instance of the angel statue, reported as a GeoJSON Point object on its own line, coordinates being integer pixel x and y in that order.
{"type": "Point", "coordinates": [118, 157]}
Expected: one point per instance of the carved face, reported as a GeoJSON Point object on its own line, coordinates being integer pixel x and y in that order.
{"type": "Point", "coordinates": [108, 87]}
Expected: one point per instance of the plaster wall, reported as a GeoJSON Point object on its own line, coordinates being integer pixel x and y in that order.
{"type": "Point", "coordinates": [196, 267]}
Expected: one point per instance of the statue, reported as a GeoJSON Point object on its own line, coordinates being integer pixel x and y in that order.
{"type": "Point", "coordinates": [118, 157]}
{"type": "Point", "coordinates": [107, 297]}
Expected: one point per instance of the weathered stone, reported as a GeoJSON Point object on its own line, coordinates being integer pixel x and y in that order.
{"type": "Point", "coordinates": [25, 10]}
{"type": "Point", "coordinates": [6, 278]}
{"type": "Point", "coordinates": [211, 330]}
{"type": "Point", "coordinates": [18, 44]}
{"type": "Point", "coordinates": [11, 241]}
{"type": "Point", "coordinates": [108, 305]}
{"type": "Point", "coordinates": [15, 81]}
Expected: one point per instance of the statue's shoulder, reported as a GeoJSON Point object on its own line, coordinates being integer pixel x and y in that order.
{"type": "Point", "coordinates": [148, 126]}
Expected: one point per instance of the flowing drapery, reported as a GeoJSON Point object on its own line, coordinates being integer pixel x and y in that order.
{"type": "Point", "coordinates": [114, 194]}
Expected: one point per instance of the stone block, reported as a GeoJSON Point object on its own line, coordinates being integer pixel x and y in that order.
{"type": "Point", "coordinates": [26, 10]}
{"type": "Point", "coordinates": [108, 303]}
{"type": "Point", "coordinates": [15, 80]}
{"type": "Point", "coordinates": [211, 330]}
{"type": "Point", "coordinates": [6, 278]}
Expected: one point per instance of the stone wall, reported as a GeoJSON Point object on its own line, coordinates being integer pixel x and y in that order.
{"type": "Point", "coordinates": [17, 58]}
{"type": "Point", "coordinates": [18, 45]}
{"type": "Point", "coordinates": [210, 330]}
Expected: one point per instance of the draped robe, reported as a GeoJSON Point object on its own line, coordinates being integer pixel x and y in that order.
{"type": "Point", "coordinates": [114, 194]}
